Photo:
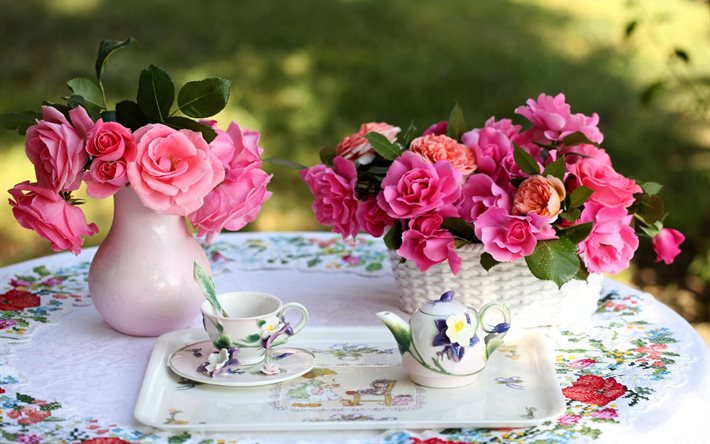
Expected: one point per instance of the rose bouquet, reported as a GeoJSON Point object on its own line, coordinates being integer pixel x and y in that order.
{"type": "Point", "coordinates": [175, 164]}
{"type": "Point", "coordinates": [547, 194]}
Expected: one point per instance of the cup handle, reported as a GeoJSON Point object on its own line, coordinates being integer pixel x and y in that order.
{"type": "Point", "coordinates": [497, 331]}
{"type": "Point", "coordinates": [304, 315]}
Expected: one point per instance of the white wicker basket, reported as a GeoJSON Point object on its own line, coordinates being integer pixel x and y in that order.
{"type": "Point", "coordinates": [532, 302]}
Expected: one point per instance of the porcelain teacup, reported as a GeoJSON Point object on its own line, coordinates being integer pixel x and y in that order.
{"type": "Point", "coordinates": [256, 323]}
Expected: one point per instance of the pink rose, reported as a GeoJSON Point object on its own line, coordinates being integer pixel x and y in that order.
{"type": "Point", "coordinates": [437, 128]}
{"type": "Point", "coordinates": [507, 237]}
{"type": "Point", "coordinates": [42, 210]}
{"type": "Point", "coordinates": [490, 146]}
{"type": "Point", "coordinates": [611, 189]}
{"type": "Point", "coordinates": [441, 147]}
{"type": "Point", "coordinates": [605, 413]}
{"type": "Point", "coordinates": [586, 150]}
{"type": "Point", "coordinates": [480, 193]}
{"type": "Point", "coordinates": [110, 141]}
{"type": "Point", "coordinates": [56, 148]}
{"type": "Point", "coordinates": [569, 419]}
{"type": "Point", "coordinates": [335, 203]}
{"type": "Point", "coordinates": [505, 126]}
{"type": "Point", "coordinates": [232, 204]}
{"type": "Point", "coordinates": [235, 148]}
{"type": "Point", "coordinates": [105, 178]}
{"type": "Point", "coordinates": [552, 116]}
{"type": "Point", "coordinates": [356, 148]}
{"type": "Point", "coordinates": [414, 186]}
{"type": "Point", "coordinates": [540, 195]}
{"type": "Point", "coordinates": [579, 123]}
{"type": "Point", "coordinates": [612, 242]}
{"type": "Point", "coordinates": [174, 170]}
{"type": "Point", "coordinates": [427, 244]}
{"type": "Point", "coordinates": [666, 244]}
{"type": "Point", "coordinates": [372, 219]}
{"type": "Point", "coordinates": [582, 363]}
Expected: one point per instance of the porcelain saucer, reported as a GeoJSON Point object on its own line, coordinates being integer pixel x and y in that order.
{"type": "Point", "coordinates": [292, 363]}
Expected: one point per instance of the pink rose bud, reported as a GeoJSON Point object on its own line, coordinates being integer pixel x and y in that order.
{"type": "Point", "coordinates": [440, 147]}
{"type": "Point", "coordinates": [540, 195]}
{"type": "Point", "coordinates": [666, 245]}
{"type": "Point", "coordinates": [356, 147]}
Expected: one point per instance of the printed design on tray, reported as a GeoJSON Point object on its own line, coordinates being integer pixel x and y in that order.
{"type": "Point", "coordinates": [510, 351]}
{"type": "Point", "coordinates": [328, 390]}
{"type": "Point", "coordinates": [363, 354]}
{"type": "Point", "coordinates": [172, 418]}
{"type": "Point", "coordinates": [529, 413]}
{"type": "Point", "coordinates": [514, 382]}
{"type": "Point", "coordinates": [363, 255]}
{"type": "Point", "coordinates": [349, 417]}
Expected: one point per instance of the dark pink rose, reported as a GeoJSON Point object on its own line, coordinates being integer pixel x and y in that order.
{"type": "Point", "coordinates": [480, 193]}
{"type": "Point", "coordinates": [105, 178]}
{"type": "Point", "coordinates": [507, 237]}
{"type": "Point", "coordinates": [236, 148]}
{"type": "Point", "coordinates": [505, 126]}
{"type": "Point", "coordinates": [335, 203]}
{"type": "Point", "coordinates": [553, 117]}
{"type": "Point", "coordinates": [612, 242]}
{"type": "Point", "coordinates": [356, 148]}
{"type": "Point", "coordinates": [110, 141]}
{"type": "Point", "coordinates": [427, 244]}
{"type": "Point", "coordinates": [174, 170]}
{"type": "Point", "coordinates": [232, 204]}
{"type": "Point", "coordinates": [414, 186]}
{"type": "Point", "coordinates": [437, 129]}
{"type": "Point", "coordinates": [611, 189]}
{"type": "Point", "coordinates": [666, 245]}
{"type": "Point", "coordinates": [372, 218]}
{"type": "Point", "coordinates": [490, 146]}
{"type": "Point", "coordinates": [44, 211]}
{"type": "Point", "coordinates": [56, 148]}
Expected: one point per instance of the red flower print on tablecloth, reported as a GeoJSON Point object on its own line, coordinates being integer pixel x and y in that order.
{"type": "Point", "coordinates": [569, 419]}
{"type": "Point", "coordinates": [582, 363]}
{"type": "Point", "coordinates": [605, 413]}
{"type": "Point", "coordinates": [653, 353]}
{"type": "Point", "coordinates": [105, 440]}
{"type": "Point", "coordinates": [433, 441]}
{"type": "Point", "coordinates": [29, 415]}
{"type": "Point", "coordinates": [16, 300]}
{"type": "Point", "coordinates": [592, 389]}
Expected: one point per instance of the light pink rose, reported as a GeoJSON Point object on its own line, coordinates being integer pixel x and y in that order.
{"type": "Point", "coordinates": [569, 419]}
{"type": "Point", "coordinates": [232, 204]}
{"type": "Point", "coordinates": [174, 170]}
{"type": "Point", "coordinates": [372, 218]}
{"type": "Point", "coordinates": [441, 147]}
{"type": "Point", "coordinates": [612, 242]}
{"type": "Point", "coordinates": [540, 195]}
{"type": "Point", "coordinates": [490, 146]}
{"type": "Point", "coordinates": [587, 125]}
{"type": "Point", "coordinates": [56, 148]}
{"type": "Point", "coordinates": [611, 189]}
{"type": "Point", "coordinates": [666, 245]}
{"type": "Point", "coordinates": [105, 177]}
{"type": "Point", "coordinates": [44, 211]}
{"type": "Point", "coordinates": [414, 186]}
{"type": "Point", "coordinates": [586, 150]}
{"type": "Point", "coordinates": [110, 141]}
{"type": "Point", "coordinates": [335, 203]}
{"type": "Point", "coordinates": [235, 148]}
{"type": "Point", "coordinates": [427, 244]}
{"type": "Point", "coordinates": [437, 128]}
{"type": "Point", "coordinates": [356, 148]}
{"type": "Point", "coordinates": [507, 237]}
{"type": "Point", "coordinates": [480, 193]}
{"type": "Point", "coordinates": [505, 126]}
{"type": "Point", "coordinates": [552, 116]}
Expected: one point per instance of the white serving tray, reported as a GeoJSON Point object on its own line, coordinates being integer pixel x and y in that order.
{"type": "Point", "coordinates": [357, 383]}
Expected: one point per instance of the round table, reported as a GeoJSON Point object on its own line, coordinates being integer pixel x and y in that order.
{"type": "Point", "coordinates": [66, 376]}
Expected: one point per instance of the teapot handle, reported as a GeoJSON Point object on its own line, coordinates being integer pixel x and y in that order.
{"type": "Point", "coordinates": [496, 331]}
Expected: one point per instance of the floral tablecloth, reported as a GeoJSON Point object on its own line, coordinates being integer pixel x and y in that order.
{"type": "Point", "coordinates": [636, 373]}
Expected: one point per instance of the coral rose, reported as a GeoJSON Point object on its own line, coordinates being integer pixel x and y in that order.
{"type": "Point", "coordinates": [611, 189]}
{"type": "Point", "coordinates": [335, 203]}
{"type": "Point", "coordinates": [56, 148]}
{"type": "Point", "coordinates": [356, 147]}
{"type": "Point", "coordinates": [440, 147]}
{"type": "Point", "coordinates": [611, 243]}
{"type": "Point", "coordinates": [174, 170]}
{"type": "Point", "coordinates": [666, 244]}
{"type": "Point", "coordinates": [414, 186]}
{"type": "Point", "coordinates": [427, 244]}
{"type": "Point", "coordinates": [42, 210]}
{"type": "Point", "coordinates": [540, 195]}
{"type": "Point", "coordinates": [507, 237]}
{"type": "Point", "coordinates": [480, 193]}
{"type": "Point", "coordinates": [372, 218]}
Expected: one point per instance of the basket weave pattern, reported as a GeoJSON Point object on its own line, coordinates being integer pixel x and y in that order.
{"type": "Point", "coordinates": [532, 302]}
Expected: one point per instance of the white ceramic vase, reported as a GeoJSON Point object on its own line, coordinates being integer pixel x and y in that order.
{"type": "Point", "coordinates": [140, 279]}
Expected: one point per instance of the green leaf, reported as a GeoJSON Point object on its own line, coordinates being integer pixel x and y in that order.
{"type": "Point", "coordinates": [206, 284]}
{"type": "Point", "coordinates": [93, 110]}
{"type": "Point", "coordinates": [129, 114]}
{"type": "Point", "coordinates": [577, 233]}
{"type": "Point", "coordinates": [393, 237]}
{"type": "Point", "coordinates": [554, 260]}
{"type": "Point", "coordinates": [582, 274]}
{"type": "Point", "coordinates": [27, 399]}
{"type": "Point", "coordinates": [488, 261]}
{"type": "Point", "coordinates": [156, 93]}
{"type": "Point", "coordinates": [630, 28]}
{"type": "Point", "coordinates": [106, 49]}
{"type": "Point", "coordinates": [252, 338]}
{"type": "Point", "coordinates": [285, 163]}
{"type": "Point", "coordinates": [208, 133]}
{"type": "Point", "coordinates": [457, 123]}
{"type": "Point", "coordinates": [681, 54]}
{"type": "Point", "coordinates": [327, 155]}
{"type": "Point", "coordinates": [525, 161]}
{"type": "Point", "coordinates": [204, 98]}
{"type": "Point", "coordinates": [459, 228]}
{"type": "Point", "coordinates": [556, 169]}
{"type": "Point", "coordinates": [89, 90]}
{"type": "Point", "coordinates": [577, 138]}
{"type": "Point", "coordinates": [650, 91]}
{"type": "Point", "coordinates": [260, 323]}
{"type": "Point", "coordinates": [408, 135]}
{"type": "Point", "coordinates": [384, 147]}
{"type": "Point", "coordinates": [108, 116]}
{"type": "Point", "coordinates": [19, 121]}
{"type": "Point", "coordinates": [650, 208]}
{"type": "Point", "coordinates": [651, 188]}
{"type": "Point", "coordinates": [579, 196]}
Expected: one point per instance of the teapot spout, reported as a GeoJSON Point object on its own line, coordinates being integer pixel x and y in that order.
{"type": "Point", "coordinates": [399, 328]}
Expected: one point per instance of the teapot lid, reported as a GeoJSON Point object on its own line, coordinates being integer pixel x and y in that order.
{"type": "Point", "coordinates": [444, 306]}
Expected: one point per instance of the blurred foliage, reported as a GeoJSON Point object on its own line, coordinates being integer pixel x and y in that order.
{"type": "Point", "coordinates": [306, 73]}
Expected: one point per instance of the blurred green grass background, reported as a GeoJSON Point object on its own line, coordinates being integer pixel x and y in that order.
{"type": "Point", "coordinates": [308, 72]}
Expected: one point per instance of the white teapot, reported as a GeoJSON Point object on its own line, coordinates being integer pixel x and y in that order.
{"type": "Point", "coordinates": [446, 344]}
